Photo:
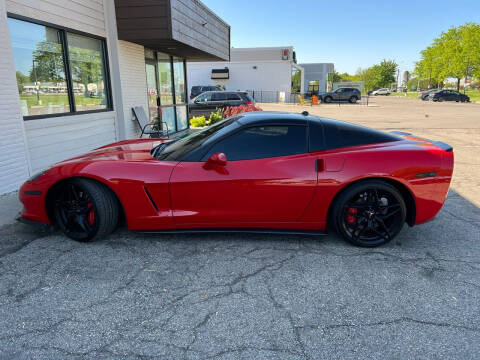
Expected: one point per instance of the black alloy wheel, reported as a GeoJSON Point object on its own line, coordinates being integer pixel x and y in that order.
{"type": "Point", "coordinates": [369, 213]}
{"type": "Point", "coordinates": [85, 210]}
{"type": "Point", "coordinates": [353, 99]}
{"type": "Point", "coordinates": [328, 99]}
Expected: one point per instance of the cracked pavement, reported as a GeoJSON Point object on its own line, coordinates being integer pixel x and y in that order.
{"type": "Point", "coordinates": [240, 296]}
{"type": "Point", "coordinates": [231, 296]}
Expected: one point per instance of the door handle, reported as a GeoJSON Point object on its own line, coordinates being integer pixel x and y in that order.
{"type": "Point", "coordinates": [319, 165]}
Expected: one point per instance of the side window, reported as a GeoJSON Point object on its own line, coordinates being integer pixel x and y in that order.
{"type": "Point", "coordinates": [204, 98]}
{"type": "Point", "coordinates": [262, 142]}
{"type": "Point", "coordinates": [219, 96]}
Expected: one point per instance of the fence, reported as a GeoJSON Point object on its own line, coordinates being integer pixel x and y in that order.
{"type": "Point", "coordinates": [262, 96]}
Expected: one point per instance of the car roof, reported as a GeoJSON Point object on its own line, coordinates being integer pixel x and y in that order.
{"type": "Point", "coordinates": [224, 91]}
{"type": "Point", "coordinates": [259, 117]}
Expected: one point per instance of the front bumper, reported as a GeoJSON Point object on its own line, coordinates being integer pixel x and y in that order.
{"type": "Point", "coordinates": [37, 224]}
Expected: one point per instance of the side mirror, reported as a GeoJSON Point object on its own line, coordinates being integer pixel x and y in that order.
{"type": "Point", "coordinates": [219, 159]}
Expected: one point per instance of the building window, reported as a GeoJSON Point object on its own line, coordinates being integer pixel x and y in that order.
{"type": "Point", "coordinates": [88, 72]}
{"type": "Point", "coordinates": [58, 72]}
{"type": "Point", "coordinates": [296, 79]}
{"type": "Point", "coordinates": [313, 86]}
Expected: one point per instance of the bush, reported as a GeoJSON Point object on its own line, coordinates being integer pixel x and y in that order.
{"type": "Point", "coordinates": [215, 117]}
{"type": "Point", "coordinates": [198, 121]}
{"type": "Point", "coordinates": [234, 110]}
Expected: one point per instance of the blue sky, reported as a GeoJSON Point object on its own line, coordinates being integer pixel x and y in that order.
{"type": "Point", "coordinates": [351, 34]}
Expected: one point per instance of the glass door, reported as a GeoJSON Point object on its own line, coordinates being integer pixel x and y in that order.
{"type": "Point", "coordinates": [152, 91]}
{"type": "Point", "coordinates": [167, 93]}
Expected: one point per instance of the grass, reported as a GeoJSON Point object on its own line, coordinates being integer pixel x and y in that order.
{"type": "Point", "coordinates": [410, 94]}
{"type": "Point", "coordinates": [473, 94]}
{"type": "Point", "coordinates": [58, 99]}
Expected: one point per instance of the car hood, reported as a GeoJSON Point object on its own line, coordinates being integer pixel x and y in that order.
{"type": "Point", "coordinates": [128, 150]}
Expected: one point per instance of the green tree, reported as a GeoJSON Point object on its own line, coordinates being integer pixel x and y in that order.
{"type": "Point", "coordinates": [454, 54]}
{"type": "Point", "coordinates": [47, 63]}
{"type": "Point", "coordinates": [21, 79]}
{"type": "Point", "coordinates": [378, 75]}
{"type": "Point", "coordinates": [86, 66]}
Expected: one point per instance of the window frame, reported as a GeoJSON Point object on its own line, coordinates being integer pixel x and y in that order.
{"type": "Point", "coordinates": [68, 72]}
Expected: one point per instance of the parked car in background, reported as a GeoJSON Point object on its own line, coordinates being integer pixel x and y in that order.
{"type": "Point", "coordinates": [209, 101]}
{"type": "Point", "coordinates": [383, 91]}
{"type": "Point", "coordinates": [448, 95]}
{"type": "Point", "coordinates": [197, 90]}
{"type": "Point", "coordinates": [424, 94]}
{"type": "Point", "coordinates": [351, 95]}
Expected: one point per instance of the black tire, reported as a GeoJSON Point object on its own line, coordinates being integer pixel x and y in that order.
{"type": "Point", "coordinates": [353, 99]}
{"type": "Point", "coordinates": [328, 99]}
{"type": "Point", "coordinates": [85, 210]}
{"type": "Point", "coordinates": [377, 205]}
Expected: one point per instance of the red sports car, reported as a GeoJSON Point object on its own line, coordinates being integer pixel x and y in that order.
{"type": "Point", "coordinates": [254, 172]}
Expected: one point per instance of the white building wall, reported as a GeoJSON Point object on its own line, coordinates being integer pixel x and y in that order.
{"type": "Point", "coordinates": [268, 76]}
{"type": "Point", "coordinates": [48, 140]}
{"type": "Point", "coordinates": [133, 82]}
{"type": "Point", "coordinates": [82, 15]}
{"type": "Point", "coordinates": [51, 140]}
{"type": "Point", "coordinates": [14, 166]}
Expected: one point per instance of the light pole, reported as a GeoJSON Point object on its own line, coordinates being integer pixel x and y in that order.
{"type": "Point", "coordinates": [36, 82]}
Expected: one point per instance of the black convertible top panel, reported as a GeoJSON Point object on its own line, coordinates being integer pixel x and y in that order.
{"type": "Point", "coordinates": [338, 134]}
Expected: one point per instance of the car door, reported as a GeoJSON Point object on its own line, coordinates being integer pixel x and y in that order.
{"type": "Point", "coordinates": [202, 105]}
{"type": "Point", "coordinates": [219, 100]}
{"type": "Point", "coordinates": [337, 94]}
{"type": "Point", "coordinates": [268, 181]}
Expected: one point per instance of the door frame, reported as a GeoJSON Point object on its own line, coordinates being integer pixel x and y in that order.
{"type": "Point", "coordinates": [154, 63]}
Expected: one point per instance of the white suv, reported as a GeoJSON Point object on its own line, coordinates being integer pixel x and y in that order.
{"type": "Point", "coordinates": [383, 91]}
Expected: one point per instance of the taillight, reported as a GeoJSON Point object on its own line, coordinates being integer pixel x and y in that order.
{"type": "Point", "coordinates": [248, 103]}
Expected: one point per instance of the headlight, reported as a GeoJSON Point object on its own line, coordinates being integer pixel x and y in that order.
{"type": "Point", "coordinates": [36, 176]}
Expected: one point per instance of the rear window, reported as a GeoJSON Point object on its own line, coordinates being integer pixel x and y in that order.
{"type": "Point", "coordinates": [247, 97]}
{"type": "Point", "coordinates": [233, 96]}
{"type": "Point", "coordinates": [338, 134]}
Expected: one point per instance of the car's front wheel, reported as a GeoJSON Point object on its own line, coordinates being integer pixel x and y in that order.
{"type": "Point", "coordinates": [85, 210]}
{"type": "Point", "coordinates": [328, 99]}
{"type": "Point", "coordinates": [369, 213]}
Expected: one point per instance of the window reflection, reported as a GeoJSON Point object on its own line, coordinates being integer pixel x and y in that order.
{"type": "Point", "coordinates": [179, 80]}
{"type": "Point", "coordinates": [88, 74]}
{"type": "Point", "coordinates": [165, 79]}
{"type": "Point", "coordinates": [40, 71]}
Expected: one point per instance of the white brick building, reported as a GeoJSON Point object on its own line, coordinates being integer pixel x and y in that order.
{"type": "Point", "coordinates": [270, 74]}
{"type": "Point", "coordinates": [71, 71]}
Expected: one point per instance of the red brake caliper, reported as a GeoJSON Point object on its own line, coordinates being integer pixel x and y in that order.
{"type": "Point", "coordinates": [91, 214]}
{"type": "Point", "coordinates": [351, 219]}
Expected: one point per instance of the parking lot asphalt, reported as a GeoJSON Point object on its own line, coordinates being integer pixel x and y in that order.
{"type": "Point", "coordinates": [232, 296]}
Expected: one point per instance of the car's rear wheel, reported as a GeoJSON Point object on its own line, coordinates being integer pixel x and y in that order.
{"type": "Point", "coordinates": [369, 213]}
{"type": "Point", "coordinates": [353, 99]}
{"type": "Point", "coordinates": [85, 210]}
{"type": "Point", "coordinates": [328, 99]}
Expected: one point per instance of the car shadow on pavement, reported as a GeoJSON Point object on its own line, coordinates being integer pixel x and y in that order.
{"type": "Point", "coordinates": [243, 295]}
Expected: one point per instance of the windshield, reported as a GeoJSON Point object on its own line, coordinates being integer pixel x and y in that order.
{"type": "Point", "coordinates": [177, 149]}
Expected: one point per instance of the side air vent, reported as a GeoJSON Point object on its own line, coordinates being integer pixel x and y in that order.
{"type": "Point", "coordinates": [150, 198]}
